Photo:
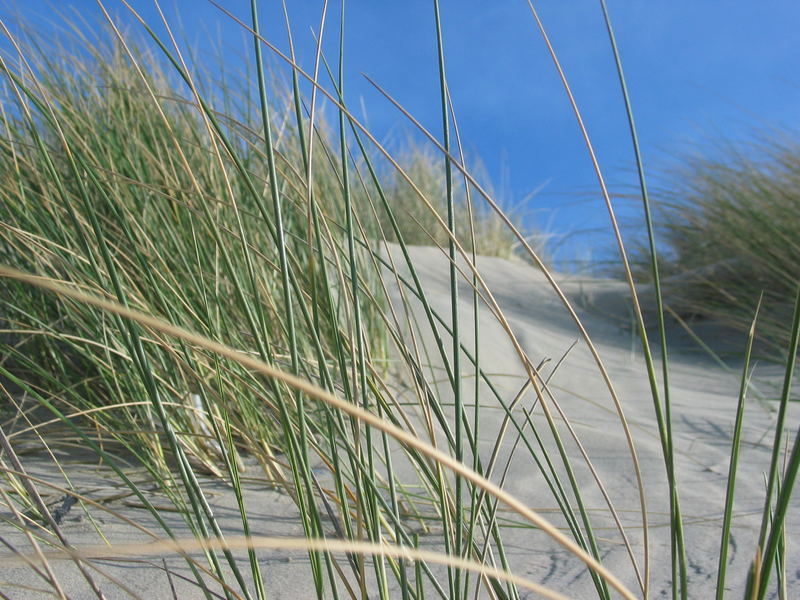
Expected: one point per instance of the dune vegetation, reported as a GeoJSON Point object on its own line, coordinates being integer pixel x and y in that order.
{"type": "Point", "coordinates": [727, 222]}
{"type": "Point", "coordinates": [210, 281]}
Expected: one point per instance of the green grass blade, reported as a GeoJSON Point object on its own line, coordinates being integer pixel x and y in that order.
{"type": "Point", "coordinates": [734, 460]}
{"type": "Point", "coordinates": [770, 539]}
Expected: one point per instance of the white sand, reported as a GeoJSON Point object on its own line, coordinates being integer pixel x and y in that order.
{"type": "Point", "coordinates": [704, 404]}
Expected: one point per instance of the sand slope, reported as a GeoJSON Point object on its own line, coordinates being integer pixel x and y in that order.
{"type": "Point", "coordinates": [703, 398]}
{"type": "Point", "coordinates": [704, 402]}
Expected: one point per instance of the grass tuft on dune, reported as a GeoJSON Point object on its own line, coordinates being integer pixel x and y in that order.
{"type": "Point", "coordinates": [727, 221]}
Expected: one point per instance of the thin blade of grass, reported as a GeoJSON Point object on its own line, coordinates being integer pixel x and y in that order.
{"type": "Point", "coordinates": [734, 460]}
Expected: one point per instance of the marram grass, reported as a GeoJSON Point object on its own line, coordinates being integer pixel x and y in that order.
{"type": "Point", "coordinates": [196, 280]}
{"type": "Point", "coordinates": [728, 221]}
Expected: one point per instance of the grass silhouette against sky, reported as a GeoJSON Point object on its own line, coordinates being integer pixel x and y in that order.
{"type": "Point", "coordinates": [696, 72]}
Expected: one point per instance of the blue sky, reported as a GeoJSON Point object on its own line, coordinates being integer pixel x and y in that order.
{"type": "Point", "coordinates": [697, 72]}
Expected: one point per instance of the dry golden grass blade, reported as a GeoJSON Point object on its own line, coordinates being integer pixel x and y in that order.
{"type": "Point", "coordinates": [187, 545]}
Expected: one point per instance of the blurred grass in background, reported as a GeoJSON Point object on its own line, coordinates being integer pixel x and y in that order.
{"type": "Point", "coordinates": [728, 220]}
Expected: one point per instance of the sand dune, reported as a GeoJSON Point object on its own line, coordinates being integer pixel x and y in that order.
{"type": "Point", "coordinates": [703, 397]}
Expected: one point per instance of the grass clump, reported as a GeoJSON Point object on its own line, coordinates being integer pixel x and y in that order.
{"type": "Point", "coordinates": [728, 223]}
{"type": "Point", "coordinates": [115, 181]}
{"type": "Point", "coordinates": [116, 185]}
